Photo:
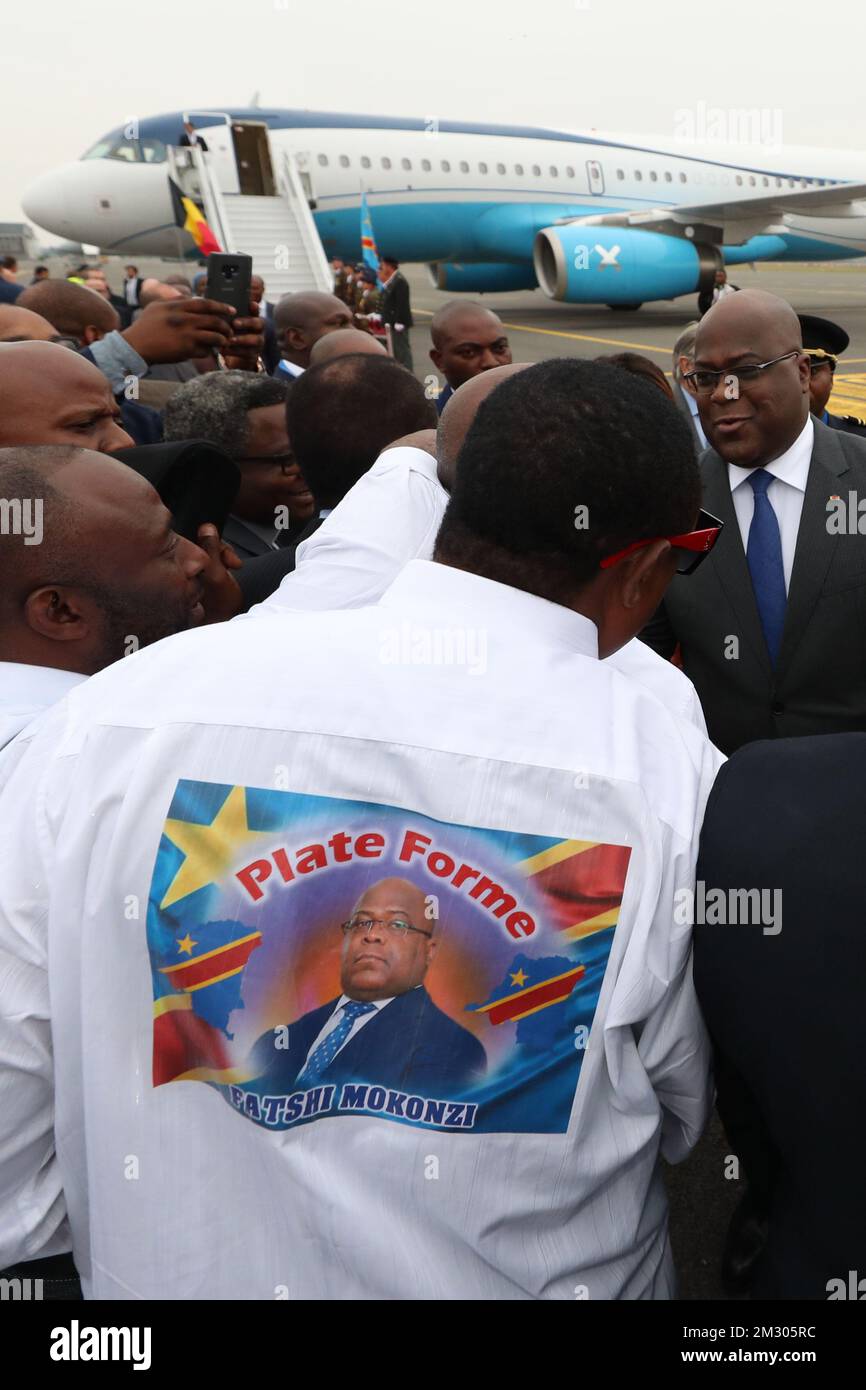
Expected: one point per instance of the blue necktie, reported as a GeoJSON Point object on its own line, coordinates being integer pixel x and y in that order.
{"type": "Point", "coordinates": [764, 554]}
{"type": "Point", "coordinates": [327, 1049]}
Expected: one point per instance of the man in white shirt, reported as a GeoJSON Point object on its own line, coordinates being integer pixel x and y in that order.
{"type": "Point", "coordinates": [211, 812]}
{"type": "Point", "coordinates": [392, 515]}
{"type": "Point", "coordinates": [300, 321]}
{"type": "Point", "coordinates": [93, 572]}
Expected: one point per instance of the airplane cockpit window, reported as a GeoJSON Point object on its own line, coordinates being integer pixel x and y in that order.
{"type": "Point", "coordinates": [115, 147]}
{"type": "Point", "coordinates": [153, 151]}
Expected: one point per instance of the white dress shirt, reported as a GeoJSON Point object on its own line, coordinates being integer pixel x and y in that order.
{"type": "Point", "coordinates": [132, 837]}
{"type": "Point", "coordinates": [786, 495]}
{"type": "Point", "coordinates": [26, 691]}
{"type": "Point", "coordinates": [391, 516]}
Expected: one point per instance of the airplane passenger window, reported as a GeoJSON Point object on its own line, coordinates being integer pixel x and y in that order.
{"type": "Point", "coordinates": [792, 183]}
{"type": "Point", "coordinates": [554, 172]}
{"type": "Point", "coordinates": [464, 167]}
{"type": "Point", "coordinates": [153, 151]}
{"type": "Point", "coordinates": [386, 163]}
{"type": "Point", "coordinates": [654, 178]}
{"type": "Point", "coordinates": [446, 166]}
{"type": "Point", "coordinates": [620, 173]}
{"type": "Point", "coordinates": [500, 168]}
{"type": "Point", "coordinates": [569, 172]}
{"type": "Point", "coordinates": [406, 163]}
{"type": "Point", "coordinates": [365, 161]}
{"type": "Point", "coordinates": [683, 178]}
{"type": "Point", "coordinates": [426, 165]}
{"type": "Point", "coordinates": [482, 168]}
{"type": "Point", "coordinates": [536, 169]}
{"type": "Point", "coordinates": [518, 169]}
{"type": "Point", "coordinates": [344, 161]}
{"type": "Point", "coordinates": [323, 160]}
{"type": "Point", "coordinates": [668, 176]}
{"type": "Point", "coordinates": [638, 175]}
{"type": "Point", "coordinates": [752, 180]}
{"type": "Point", "coordinates": [766, 182]}
{"type": "Point", "coordinates": [740, 179]}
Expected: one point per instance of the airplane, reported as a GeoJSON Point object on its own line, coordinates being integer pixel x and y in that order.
{"type": "Point", "coordinates": [589, 219]}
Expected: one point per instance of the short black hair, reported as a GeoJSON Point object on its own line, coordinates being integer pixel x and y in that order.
{"type": "Point", "coordinates": [341, 415]}
{"type": "Point", "coordinates": [390, 260]}
{"type": "Point", "coordinates": [562, 435]}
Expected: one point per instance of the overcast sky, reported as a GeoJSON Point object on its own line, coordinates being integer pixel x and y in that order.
{"type": "Point", "coordinates": [71, 72]}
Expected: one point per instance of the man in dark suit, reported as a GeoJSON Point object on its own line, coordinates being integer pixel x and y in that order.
{"type": "Point", "coordinates": [190, 136]}
{"type": "Point", "coordinates": [396, 309]}
{"type": "Point", "coordinates": [784, 1002]}
{"type": "Point", "coordinates": [384, 1028]}
{"type": "Point", "coordinates": [772, 628]}
{"type": "Point", "coordinates": [685, 398]}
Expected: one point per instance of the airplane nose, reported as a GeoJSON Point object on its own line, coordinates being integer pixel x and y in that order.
{"type": "Point", "coordinates": [47, 201]}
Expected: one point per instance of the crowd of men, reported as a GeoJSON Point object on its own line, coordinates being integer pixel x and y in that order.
{"type": "Point", "coordinates": [667, 580]}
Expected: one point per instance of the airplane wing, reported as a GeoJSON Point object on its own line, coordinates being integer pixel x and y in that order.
{"type": "Point", "coordinates": [739, 219]}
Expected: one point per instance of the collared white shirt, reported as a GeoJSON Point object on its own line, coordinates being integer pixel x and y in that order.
{"type": "Point", "coordinates": [289, 368]}
{"type": "Point", "coordinates": [26, 691]}
{"type": "Point", "coordinates": [786, 495]}
{"type": "Point", "coordinates": [391, 516]}
{"type": "Point", "coordinates": [459, 725]}
{"type": "Point", "coordinates": [130, 291]}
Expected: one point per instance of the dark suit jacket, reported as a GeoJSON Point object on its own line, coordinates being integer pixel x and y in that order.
{"type": "Point", "coordinates": [185, 140]}
{"type": "Point", "coordinates": [410, 1045]}
{"type": "Point", "coordinates": [785, 1010]}
{"type": "Point", "coordinates": [682, 406]}
{"type": "Point", "coordinates": [819, 685]}
{"type": "Point", "coordinates": [265, 569]}
{"type": "Point", "coordinates": [395, 301]}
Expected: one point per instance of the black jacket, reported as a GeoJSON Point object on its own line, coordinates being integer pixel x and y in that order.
{"type": "Point", "coordinates": [819, 684]}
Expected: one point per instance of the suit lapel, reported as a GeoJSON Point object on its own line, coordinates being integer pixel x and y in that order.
{"type": "Point", "coordinates": [728, 559]}
{"type": "Point", "coordinates": [814, 549]}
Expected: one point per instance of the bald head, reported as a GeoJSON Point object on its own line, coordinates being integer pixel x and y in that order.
{"type": "Point", "coordinates": [751, 422]}
{"type": "Point", "coordinates": [152, 291]}
{"type": "Point", "coordinates": [75, 311]}
{"type": "Point", "coordinates": [301, 320]}
{"type": "Point", "coordinates": [341, 342]}
{"type": "Point", "coordinates": [104, 565]}
{"type": "Point", "coordinates": [457, 417]}
{"type": "Point", "coordinates": [19, 325]}
{"type": "Point", "coordinates": [49, 395]}
{"type": "Point", "coordinates": [467, 339]}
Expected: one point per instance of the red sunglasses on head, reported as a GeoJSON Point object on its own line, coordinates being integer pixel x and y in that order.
{"type": "Point", "coordinates": [694, 546]}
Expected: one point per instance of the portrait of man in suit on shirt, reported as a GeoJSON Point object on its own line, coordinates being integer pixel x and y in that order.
{"type": "Point", "coordinates": [383, 1028]}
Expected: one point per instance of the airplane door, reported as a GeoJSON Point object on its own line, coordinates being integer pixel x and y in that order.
{"type": "Point", "coordinates": [253, 157]}
{"type": "Point", "coordinates": [595, 175]}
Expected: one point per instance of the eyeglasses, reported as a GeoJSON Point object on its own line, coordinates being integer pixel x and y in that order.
{"type": "Point", "coordinates": [395, 925]}
{"type": "Point", "coordinates": [694, 545]}
{"type": "Point", "coordinates": [816, 364]}
{"type": "Point", "coordinates": [285, 462]}
{"type": "Point", "coordinates": [706, 381]}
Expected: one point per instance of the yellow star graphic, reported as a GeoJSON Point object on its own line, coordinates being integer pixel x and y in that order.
{"type": "Point", "coordinates": [186, 944]}
{"type": "Point", "coordinates": [208, 849]}
{"type": "Point", "coordinates": [519, 979]}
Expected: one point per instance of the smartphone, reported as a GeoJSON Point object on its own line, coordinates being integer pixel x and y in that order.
{"type": "Point", "coordinates": [228, 280]}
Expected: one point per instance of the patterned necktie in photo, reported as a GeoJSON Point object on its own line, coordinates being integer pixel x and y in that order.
{"type": "Point", "coordinates": [328, 1047]}
{"type": "Point", "coordinates": [764, 555]}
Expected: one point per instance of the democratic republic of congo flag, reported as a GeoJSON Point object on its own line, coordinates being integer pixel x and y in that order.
{"type": "Point", "coordinates": [369, 251]}
{"type": "Point", "coordinates": [188, 217]}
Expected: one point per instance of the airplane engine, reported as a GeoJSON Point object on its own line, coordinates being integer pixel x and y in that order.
{"type": "Point", "coordinates": [481, 277]}
{"type": "Point", "coordinates": [584, 264]}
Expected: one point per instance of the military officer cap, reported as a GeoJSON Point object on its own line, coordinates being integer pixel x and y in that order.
{"type": "Point", "coordinates": [822, 339]}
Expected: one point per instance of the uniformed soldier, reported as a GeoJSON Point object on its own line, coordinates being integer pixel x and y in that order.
{"type": "Point", "coordinates": [369, 300]}
{"type": "Point", "coordinates": [823, 341]}
{"type": "Point", "coordinates": [339, 270]}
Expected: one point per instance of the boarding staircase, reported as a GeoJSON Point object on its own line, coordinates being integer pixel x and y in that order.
{"type": "Point", "coordinates": [278, 232]}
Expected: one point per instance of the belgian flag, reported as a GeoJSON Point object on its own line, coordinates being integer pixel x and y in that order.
{"type": "Point", "coordinates": [190, 219]}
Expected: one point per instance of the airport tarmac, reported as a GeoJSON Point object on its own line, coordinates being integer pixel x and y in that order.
{"type": "Point", "coordinates": [539, 327]}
